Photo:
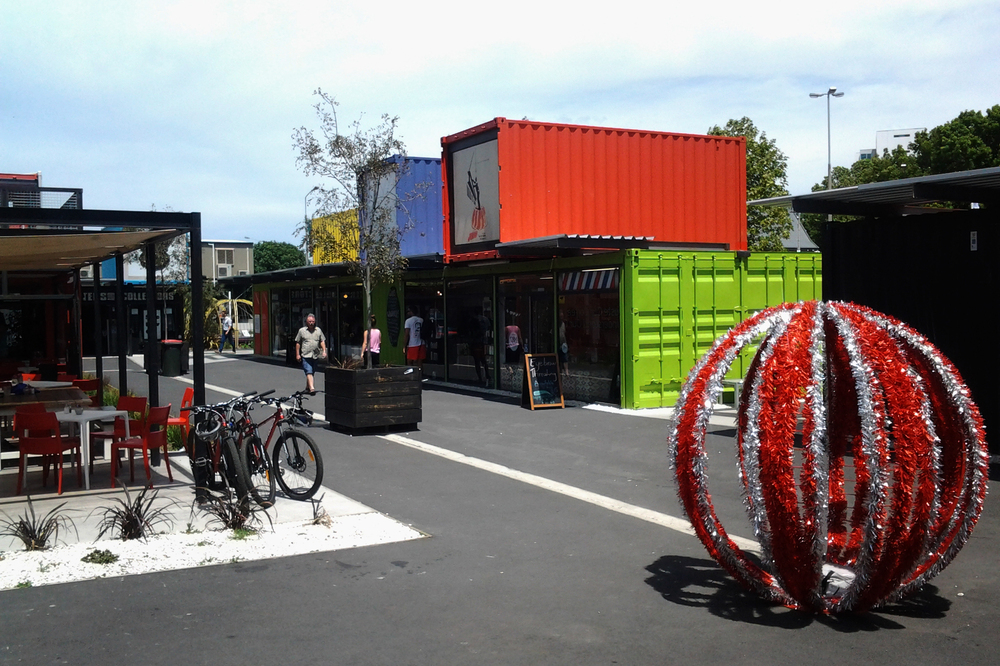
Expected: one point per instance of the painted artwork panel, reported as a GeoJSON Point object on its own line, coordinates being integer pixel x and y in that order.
{"type": "Point", "coordinates": [476, 212]}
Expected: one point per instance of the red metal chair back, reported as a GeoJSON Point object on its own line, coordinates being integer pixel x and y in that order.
{"type": "Point", "coordinates": [38, 435]}
{"type": "Point", "coordinates": [91, 386]}
{"type": "Point", "coordinates": [32, 424]}
{"type": "Point", "coordinates": [133, 405]}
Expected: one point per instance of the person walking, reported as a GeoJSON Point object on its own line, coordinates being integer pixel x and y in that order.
{"type": "Point", "coordinates": [227, 331]}
{"type": "Point", "coordinates": [478, 341]}
{"type": "Point", "coordinates": [414, 344]}
{"type": "Point", "coordinates": [375, 347]}
{"type": "Point", "coordinates": [310, 345]}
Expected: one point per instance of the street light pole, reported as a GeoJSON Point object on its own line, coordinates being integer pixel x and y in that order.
{"type": "Point", "coordinates": [832, 92]}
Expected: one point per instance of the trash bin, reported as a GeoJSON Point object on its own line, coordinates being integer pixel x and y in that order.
{"type": "Point", "coordinates": [170, 357]}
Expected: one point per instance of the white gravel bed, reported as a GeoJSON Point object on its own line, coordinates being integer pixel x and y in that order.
{"type": "Point", "coordinates": [62, 564]}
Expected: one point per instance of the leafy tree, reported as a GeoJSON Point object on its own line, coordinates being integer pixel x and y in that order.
{"type": "Point", "coordinates": [767, 177]}
{"type": "Point", "coordinates": [970, 141]}
{"type": "Point", "coordinates": [275, 255]}
{"type": "Point", "coordinates": [364, 179]}
{"type": "Point", "coordinates": [170, 256]}
{"type": "Point", "coordinates": [161, 255]}
{"type": "Point", "coordinates": [890, 166]}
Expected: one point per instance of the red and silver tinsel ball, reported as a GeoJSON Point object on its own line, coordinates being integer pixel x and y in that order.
{"type": "Point", "coordinates": [885, 482]}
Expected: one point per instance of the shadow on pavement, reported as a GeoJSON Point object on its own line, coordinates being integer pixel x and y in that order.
{"type": "Point", "coordinates": [702, 583]}
{"type": "Point", "coordinates": [492, 395]}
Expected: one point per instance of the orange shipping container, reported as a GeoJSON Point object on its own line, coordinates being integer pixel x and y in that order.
{"type": "Point", "coordinates": [511, 180]}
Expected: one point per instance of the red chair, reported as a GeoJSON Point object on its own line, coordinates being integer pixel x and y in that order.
{"type": "Point", "coordinates": [154, 437]}
{"type": "Point", "coordinates": [38, 435]}
{"type": "Point", "coordinates": [30, 377]}
{"type": "Point", "coordinates": [94, 386]}
{"type": "Point", "coordinates": [136, 426]}
{"type": "Point", "coordinates": [184, 420]}
{"type": "Point", "coordinates": [64, 377]}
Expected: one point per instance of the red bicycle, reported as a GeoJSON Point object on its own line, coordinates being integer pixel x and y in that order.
{"type": "Point", "coordinates": [294, 461]}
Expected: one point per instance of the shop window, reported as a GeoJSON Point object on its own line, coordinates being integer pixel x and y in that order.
{"type": "Point", "coordinates": [589, 335]}
{"type": "Point", "coordinates": [526, 323]}
{"type": "Point", "coordinates": [280, 323]}
{"type": "Point", "coordinates": [426, 297]}
{"type": "Point", "coordinates": [350, 329]}
{"type": "Point", "coordinates": [470, 336]}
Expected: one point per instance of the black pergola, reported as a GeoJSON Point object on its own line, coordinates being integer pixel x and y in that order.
{"type": "Point", "coordinates": [56, 240]}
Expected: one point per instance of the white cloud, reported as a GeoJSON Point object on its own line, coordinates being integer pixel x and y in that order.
{"type": "Point", "coordinates": [192, 104]}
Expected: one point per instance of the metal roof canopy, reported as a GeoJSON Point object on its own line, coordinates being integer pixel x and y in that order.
{"type": "Point", "coordinates": [571, 244]}
{"type": "Point", "coordinates": [69, 249]}
{"type": "Point", "coordinates": [896, 197]}
{"type": "Point", "coordinates": [318, 271]}
{"type": "Point", "coordinates": [82, 238]}
{"type": "Point", "coordinates": [314, 272]}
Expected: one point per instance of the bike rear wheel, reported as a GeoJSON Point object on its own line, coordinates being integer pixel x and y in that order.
{"type": "Point", "coordinates": [298, 466]}
{"type": "Point", "coordinates": [229, 465]}
{"type": "Point", "coordinates": [255, 468]}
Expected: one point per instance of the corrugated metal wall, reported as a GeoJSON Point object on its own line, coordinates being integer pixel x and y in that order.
{"type": "Point", "coordinates": [557, 179]}
{"type": "Point", "coordinates": [422, 178]}
{"type": "Point", "coordinates": [331, 229]}
{"type": "Point", "coordinates": [674, 306]}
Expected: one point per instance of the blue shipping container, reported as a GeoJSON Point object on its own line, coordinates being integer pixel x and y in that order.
{"type": "Point", "coordinates": [419, 194]}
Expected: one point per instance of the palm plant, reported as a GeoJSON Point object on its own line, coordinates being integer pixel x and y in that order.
{"type": "Point", "coordinates": [34, 532]}
{"type": "Point", "coordinates": [135, 519]}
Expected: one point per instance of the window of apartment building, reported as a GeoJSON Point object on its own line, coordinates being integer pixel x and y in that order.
{"type": "Point", "coordinates": [225, 257]}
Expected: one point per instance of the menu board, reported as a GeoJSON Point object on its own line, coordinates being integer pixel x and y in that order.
{"type": "Point", "coordinates": [542, 385]}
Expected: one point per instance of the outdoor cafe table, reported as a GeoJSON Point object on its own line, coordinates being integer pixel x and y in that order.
{"type": "Point", "coordinates": [54, 399]}
{"type": "Point", "coordinates": [82, 421]}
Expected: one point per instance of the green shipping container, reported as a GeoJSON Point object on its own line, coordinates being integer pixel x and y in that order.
{"type": "Point", "coordinates": [675, 304]}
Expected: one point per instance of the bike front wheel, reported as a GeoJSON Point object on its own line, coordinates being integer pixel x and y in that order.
{"type": "Point", "coordinates": [255, 467]}
{"type": "Point", "coordinates": [298, 466]}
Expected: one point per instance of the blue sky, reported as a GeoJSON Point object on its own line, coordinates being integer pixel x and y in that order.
{"type": "Point", "coordinates": [191, 105]}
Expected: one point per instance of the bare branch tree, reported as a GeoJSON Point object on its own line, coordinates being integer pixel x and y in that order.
{"type": "Point", "coordinates": [360, 207]}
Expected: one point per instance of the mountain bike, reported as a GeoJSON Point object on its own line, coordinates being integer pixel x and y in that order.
{"type": "Point", "coordinates": [212, 449]}
{"type": "Point", "coordinates": [295, 460]}
{"type": "Point", "coordinates": [255, 465]}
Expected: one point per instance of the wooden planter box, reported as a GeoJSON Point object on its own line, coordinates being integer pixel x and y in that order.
{"type": "Point", "coordinates": [373, 398]}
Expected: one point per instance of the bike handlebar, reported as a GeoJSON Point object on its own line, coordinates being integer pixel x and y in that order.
{"type": "Point", "coordinates": [219, 405]}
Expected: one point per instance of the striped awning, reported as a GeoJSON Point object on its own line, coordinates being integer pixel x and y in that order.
{"type": "Point", "coordinates": [589, 280]}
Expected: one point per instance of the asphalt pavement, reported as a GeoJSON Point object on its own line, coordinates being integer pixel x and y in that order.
{"type": "Point", "coordinates": [553, 540]}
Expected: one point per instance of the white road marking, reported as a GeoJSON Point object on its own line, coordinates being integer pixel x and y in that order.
{"type": "Point", "coordinates": [655, 517]}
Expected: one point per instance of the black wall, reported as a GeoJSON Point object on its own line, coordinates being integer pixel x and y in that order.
{"type": "Point", "coordinates": [922, 270]}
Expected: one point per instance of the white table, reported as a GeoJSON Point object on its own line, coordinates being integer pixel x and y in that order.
{"type": "Point", "coordinates": [40, 384]}
{"type": "Point", "coordinates": [82, 421]}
